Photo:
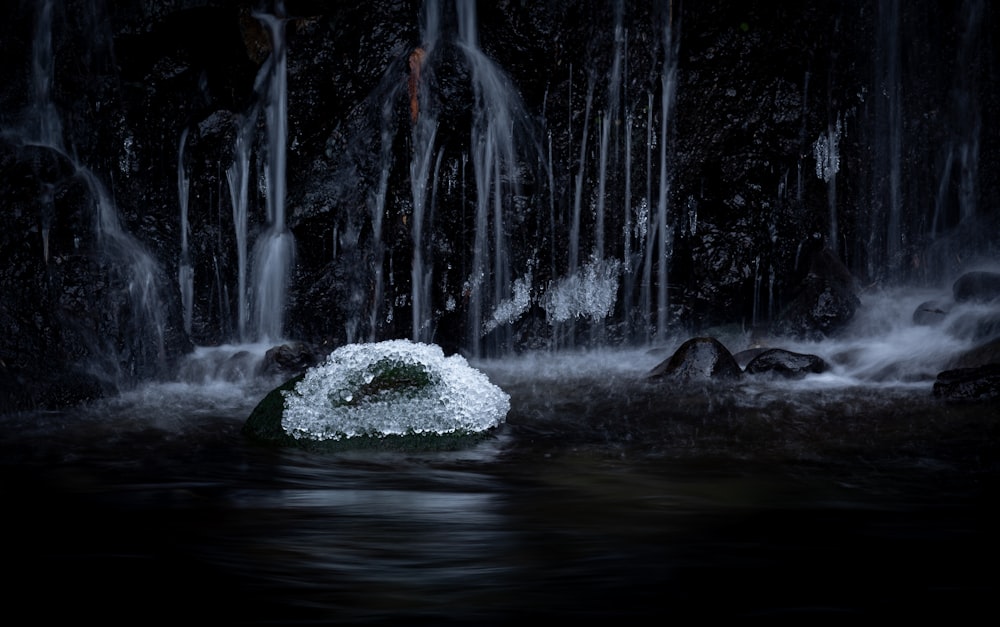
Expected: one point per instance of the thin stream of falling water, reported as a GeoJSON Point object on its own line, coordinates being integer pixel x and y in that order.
{"type": "Point", "coordinates": [378, 208]}
{"type": "Point", "coordinates": [421, 272]}
{"type": "Point", "coordinates": [274, 252]}
{"type": "Point", "coordinates": [424, 131]}
{"type": "Point", "coordinates": [961, 150]}
{"type": "Point", "coordinates": [647, 231]}
{"type": "Point", "coordinates": [668, 80]}
{"type": "Point", "coordinates": [574, 234]}
{"type": "Point", "coordinates": [185, 272]}
{"type": "Point", "coordinates": [238, 176]}
{"type": "Point", "coordinates": [611, 113]}
{"type": "Point", "coordinates": [627, 264]}
{"type": "Point", "coordinates": [497, 115]}
{"type": "Point", "coordinates": [890, 118]}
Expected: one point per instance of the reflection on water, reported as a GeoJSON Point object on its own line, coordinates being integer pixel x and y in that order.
{"type": "Point", "coordinates": [604, 495]}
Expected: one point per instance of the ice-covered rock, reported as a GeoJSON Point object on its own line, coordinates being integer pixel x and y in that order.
{"type": "Point", "coordinates": [385, 391]}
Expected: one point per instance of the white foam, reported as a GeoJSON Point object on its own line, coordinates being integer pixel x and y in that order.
{"type": "Point", "coordinates": [883, 344]}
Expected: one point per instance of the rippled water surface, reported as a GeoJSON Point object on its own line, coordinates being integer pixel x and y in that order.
{"type": "Point", "coordinates": [604, 496]}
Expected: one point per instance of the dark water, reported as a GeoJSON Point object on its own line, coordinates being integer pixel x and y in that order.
{"type": "Point", "coordinates": [603, 497]}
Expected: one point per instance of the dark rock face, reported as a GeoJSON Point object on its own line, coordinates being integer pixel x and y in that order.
{"type": "Point", "coordinates": [706, 163]}
{"type": "Point", "coordinates": [785, 363]}
{"type": "Point", "coordinates": [699, 359]}
{"type": "Point", "coordinates": [824, 302]}
{"type": "Point", "coordinates": [35, 388]}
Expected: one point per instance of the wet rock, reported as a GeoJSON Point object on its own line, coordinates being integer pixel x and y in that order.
{"type": "Point", "coordinates": [977, 287]}
{"type": "Point", "coordinates": [33, 389]}
{"type": "Point", "coordinates": [290, 358]}
{"type": "Point", "coordinates": [699, 359]}
{"type": "Point", "coordinates": [931, 312]}
{"type": "Point", "coordinates": [264, 422]}
{"type": "Point", "coordinates": [744, 357]}
{"type": "Point", "coordinates": [966, 385]}
{"type": "Point", "coordinates": [785, 363]}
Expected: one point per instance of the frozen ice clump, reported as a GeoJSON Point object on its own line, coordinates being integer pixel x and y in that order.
{"type": "Point", "coordinates": [590, 293]}
{"type": "Point", "coordinates": [396, 387]}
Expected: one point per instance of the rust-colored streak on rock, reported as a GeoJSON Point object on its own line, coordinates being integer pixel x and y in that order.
{"type": "Point", "coordinates": [416, 61]}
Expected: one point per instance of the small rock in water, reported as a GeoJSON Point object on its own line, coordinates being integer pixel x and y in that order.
{"type": "Point", "coordinates": [786, 363]}
{"type": "Point", "coordinates": [931, 312]}
{"type": "Point", "coordinates": [967, 385]}
{"type": "Point", "coordinates": [699, 358]}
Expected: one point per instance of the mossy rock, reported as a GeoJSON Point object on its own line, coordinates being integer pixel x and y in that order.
{"type": "Point", "coordinates": [392, 395]}
{"type": "Point", "coordinates": [264, 422]}
{"type": "Point", "coordinates": [388, 377]}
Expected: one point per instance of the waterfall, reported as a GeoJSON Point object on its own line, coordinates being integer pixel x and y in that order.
{"type": "Point", "coordinates": [887, 204]}
{"type": "Point", "coordinates": [574, 233]}
{"type": "Point", "coordinates": [141, 350]}
{"type": "Point", "coordinates": [263, 270]}
{"type": "Point", "coordinates": [378, 208]}
{"type": "Point", "coordinates": [424, 130]}
{"type": "Point", "coordinates": [644, 226]}
{"type": "Point", "coordinates": [590, 287]}
{"type": "Point", "coordinates": [424, 212]}
{"type": "Point", "coordinates": [274, 251]}
{"type": "Point", "coordinates": [142, 276]}
{"type": "Point", "coordinates": [664, 231]}
{"type": "Point", "coordinates": [655, 231]}
{"type": "Point", "coordinates": [497, 111]}
{"type": "Point", "coordinates": [962, 147]}
{"type": "Point", "coordinates": [45, 127]}
{"type": "Point", "coordinates": [610, 117]}
{"type": "Point", "coordinates": [185, 273]}
{"type": "Point", "coordinates": [238, 177]}
{"type": "Point", "coordinates": [628, 265]}
{"type": "Point", "coordinates": [967, 111]}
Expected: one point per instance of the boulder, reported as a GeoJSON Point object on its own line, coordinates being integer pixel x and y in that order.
{"type": "Point", "coordinates": [699, 359]}
{"type": "Point", "coordinates": [967, 385]}
{"type": "Point", "coordinates": [977, 286]}
{"type": "Point", "coordinates": [395, 394]}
